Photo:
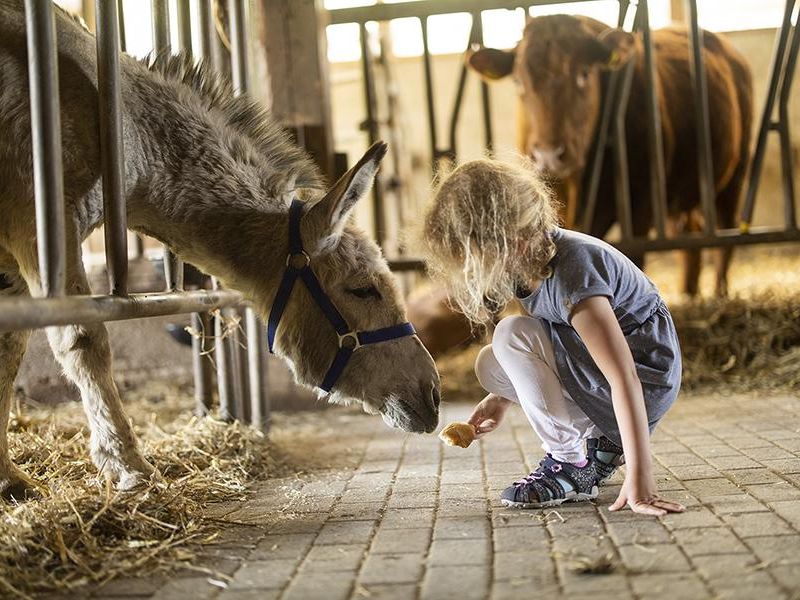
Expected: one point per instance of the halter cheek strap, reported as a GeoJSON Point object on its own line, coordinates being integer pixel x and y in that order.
{"type": "Point", "coordinates": [298, 265]}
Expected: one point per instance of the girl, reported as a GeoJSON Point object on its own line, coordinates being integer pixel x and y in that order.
{"type": "Point", "coordinates": [596, 359]}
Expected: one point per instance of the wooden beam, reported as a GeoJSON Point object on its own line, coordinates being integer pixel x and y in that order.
{"type": "Point", "coordinates": [292, 34]}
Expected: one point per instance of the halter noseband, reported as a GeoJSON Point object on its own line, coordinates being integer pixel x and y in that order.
{"type": "Point", "coordinates": [298, 264]}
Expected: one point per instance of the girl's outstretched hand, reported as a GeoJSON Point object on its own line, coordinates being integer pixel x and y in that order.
{"type": "Point", "coordinates": [640, 494]}
{"type": "Point", "coordinates": [488, 414]}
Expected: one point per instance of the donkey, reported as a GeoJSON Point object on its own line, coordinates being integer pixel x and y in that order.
{"type": "Point", "coordinates": [211, 176]}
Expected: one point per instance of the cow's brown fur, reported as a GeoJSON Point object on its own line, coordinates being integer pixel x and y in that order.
{"type": "Point", "coordinates": [559, 52]}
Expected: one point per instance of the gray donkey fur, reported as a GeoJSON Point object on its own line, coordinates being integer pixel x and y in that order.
{"type": "Point", "coordinates": [211, 176]}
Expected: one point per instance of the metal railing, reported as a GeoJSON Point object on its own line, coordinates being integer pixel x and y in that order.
{"type": "Point", "coordinates": [239, 367]}
{"type": "Point", "coordinates": [610, 132]}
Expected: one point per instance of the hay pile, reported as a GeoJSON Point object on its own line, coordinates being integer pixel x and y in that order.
{"type": "Point", "coordinates": [83, 531]}
{"type": "Point", "coordinates": [741, 344]}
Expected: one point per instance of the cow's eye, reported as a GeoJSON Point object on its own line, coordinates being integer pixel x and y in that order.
{"type": "Point", "coordinates": [369, 291]}
{"type": "Point", "coordinates": [582, 78]}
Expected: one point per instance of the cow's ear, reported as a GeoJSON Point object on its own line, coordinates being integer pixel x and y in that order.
{"type": "Point", "coordinates": [491, 63]}
{"type": "Point", "coordinates": [620, 47]}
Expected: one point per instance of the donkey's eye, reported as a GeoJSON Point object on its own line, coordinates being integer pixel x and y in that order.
{"type": "Point", "coordinates": [369, 291]}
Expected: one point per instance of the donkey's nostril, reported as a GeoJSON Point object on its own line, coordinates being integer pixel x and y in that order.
{"type": "Point", "coordinates": [435, 396]}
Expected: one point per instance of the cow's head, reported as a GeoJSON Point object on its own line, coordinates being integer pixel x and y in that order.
{"type": "Point", "coordinates": [557, 67]}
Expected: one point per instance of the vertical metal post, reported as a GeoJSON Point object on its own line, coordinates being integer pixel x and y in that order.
{"type": "Point", "coordinates": [209, 40]}
{"type": "Point", "coordinates": [112, 155]}
{"type": "Point", "coordinates": [203, 382]}
{"type": "Point", "coordinates": [477, 31]}
{"type": "Point", "coordinates": [621, 173]}
{"type": "Point", "coordinates": [429, 97]}
{"type": "Point", "coordinates": [48, 176]}
{"type": "Point", "coordinates": [371, 124]}
{"type": "Point", "coordinates": [705, 162]}
{"type": "Point", "coordinates": [184, 26]}
{"type": "Point", "coordinates": [764, 128]}
{"type": "Point", "coordinates": [655, 144]}
{"type": "Point", "coordinates": [784, 132]}
{"type": "Point", "coordinates": [237, 13]}
{"type": "Point", "coordinates": [160, 22]}
{"type": "Point", "coordinates": [225, 383]}
{"type": "Point", "coordinates": [259, 400]}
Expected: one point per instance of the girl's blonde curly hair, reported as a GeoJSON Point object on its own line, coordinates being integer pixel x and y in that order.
{"type": "Point", "coordinates": [487, 231]}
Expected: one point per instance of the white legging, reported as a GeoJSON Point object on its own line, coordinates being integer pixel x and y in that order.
{"type": "Point", "coordinates": [519, 365]}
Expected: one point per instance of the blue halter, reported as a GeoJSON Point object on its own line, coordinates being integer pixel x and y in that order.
{"type": "Point", "coordinates": [298, 264]}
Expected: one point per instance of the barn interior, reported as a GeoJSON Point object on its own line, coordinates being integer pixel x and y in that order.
{"type": "Point", "coordinates": [267, 490]}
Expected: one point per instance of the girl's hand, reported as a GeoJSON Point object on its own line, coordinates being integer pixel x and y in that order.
{"type": "Point", "coordinates": [639, 492]}
{"type": "Point", "coordinates": [488, 414]}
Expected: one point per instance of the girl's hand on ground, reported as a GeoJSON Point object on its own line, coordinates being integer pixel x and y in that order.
{"type": "Point", "coordinates": [488, 414]}
{"type": "Point", "coordinates": [643, 498]}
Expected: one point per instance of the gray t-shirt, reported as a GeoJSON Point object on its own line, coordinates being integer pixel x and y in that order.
{"type": "Point", "coordinates": [585, 266]}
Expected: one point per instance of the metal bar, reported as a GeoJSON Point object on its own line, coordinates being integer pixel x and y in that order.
{"type": "Point", "coordinates": [429, 97]}
{"type": "Point", "coordinates": [184, 15]}
{"type": "Point", "coordinates": [232, 345]}
{"type": "Point", "coordinates": [48, 176]}
{"type": "Point", "coordinates": [259, 400]}
{"type": "Point", "coordinates": [655, 144]}
{"type": "Point", "coordinates": [201, 363]}
{"type": "Point", "coordinates": [112, 154]}
{"type": "Point", "coordinates": [225, 384]}
{"type": "Point", "coordinates": [705, 164]}
{"type": "Point", "coordinates": [27, 313]}
{"type": "Point", "coordinates": [621, 173]}
{"type": "Point", "coordinates": [371, 125]}
{"type": "Point", "coordinates": [766, 117]}
{"type": "Point", "coordinates": [455, 115]}
{"type": "Point", "coordinates": [400, 10]}
{"type": "Point", "coordinates": [123, 40]}
{"type": "Point", "coordinates": [160, 24]}
{"type": "Point", "coordinates": [237, 13]}
{"type": "Point", "coordinates": [723, 238]}
{"type": "Point", "coordinates": [477, 31]}
{"type": "Point", "coordinates": [210, 44]}
{"type": "Point", "coordinates": [790, 218]}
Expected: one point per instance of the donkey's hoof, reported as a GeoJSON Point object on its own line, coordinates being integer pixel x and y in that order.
{"type": "Point", "coordinates": [129, 481]}
{"type": "Point", "coordinates": [18, 488]}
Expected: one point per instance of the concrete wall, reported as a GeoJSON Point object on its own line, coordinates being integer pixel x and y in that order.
{"type": "Point", "coordinates": [348, 112]}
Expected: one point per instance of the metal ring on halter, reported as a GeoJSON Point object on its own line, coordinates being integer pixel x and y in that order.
{"type": "Point", "coordinates": [302, 256]}
{"type": "Point", "coordinates": [350, 335]}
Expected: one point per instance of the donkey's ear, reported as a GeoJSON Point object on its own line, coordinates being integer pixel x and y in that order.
{"type": "Point", "coordinates": [331, 212]}
{"type": "Point", "coordinates": [491, 63]}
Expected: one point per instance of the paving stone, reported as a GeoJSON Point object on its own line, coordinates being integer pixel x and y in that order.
{"type": "Point", "coordinates": [461, 528]}
{"type": "Point", "coordinates": [291, 545]}
{"type": "Point", "coordinates": [776, 550]}
{"type": "Point", "coordinates": [655, 558]}
{"type": "Point", "coordinates": [526, 563]}
{"type": "Point", "coordinates": [129, 586]}
{"type": "Point", "coordinates": [757, 524]}
{"type": "Point", "coordinates": [790, 511]}
{"type": "Point", "coordinates": [322, 586]}
{"type": "Point", "coordinates": [713, 487]}
{"type": "Point", "coordinates": [690, 472]}
{"type": "Point", "coordinates": [461, 491]}
{"type": "Point", "coordinates": [429, 470]}
{"type": "Point", "coordinates": [445, 583]}
{"type": "Point", "coordinates": [515, 589]}
{"type": "Point", "coordinates": [357, 511]}
{"type": "Point", "coordinates": [417, 484]}
{"type": "Point", "coordinates": [403, 518]}
{"type": "Point", "coordinates": [752, 476]}
{"type": "Point", "coordinates": [264, 574]}
{"type": "Point", "coordinates": [772, 492]}
{"type": "Point", "coordinates": [638, 532]}
{"type": "Point", "coordinates": [669, 587]}
{"type": "Point", "coordinates": [392, 541]}
{"type": "Point", "coordinates": [459, 552]}
{"type": "Point", "coordinates": [784, 465]}
{"type": "Point", "coordinates": [249, 595]}
{"type": "Point", "coordinates": [391, 591]}
{"type": "Point", "coordinates": [734, 504]}
{"type": "Point", "coordinates": [786, 575]}
{"type": "Point", "coordinates": [392, 568]}
{"type": "Point", "coordinates": [683, 459]}
{"type": "Point", "coordinates": [458, 507]}
{"type": "Point", "coordinates": [333, 558]}
{"type": "Point", "coordinates": [758, 585]}
{"type": "Point", "coordinates": [582, 584]}
{"type": "Point", "coordinates": [198, 588]}
{"type": "Point", "coordinates": [771, 452]}
{"type": "Point", "coordinates": [733, 462]}
{"type": "Point", "coordinates": [709, 540]}
{"type": "Point", "coordinates": [723, 566]}
{"type": "Point", "coordinates": [412, 500]}
{"type": "Point", "coordinates": [345, 532]}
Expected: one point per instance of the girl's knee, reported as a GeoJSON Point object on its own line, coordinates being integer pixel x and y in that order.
{"type": "Point", "coordinates": [518, 333]}
{"type": "Point", "coordinates": [486, 367]}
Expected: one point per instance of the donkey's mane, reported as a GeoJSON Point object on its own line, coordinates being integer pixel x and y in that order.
{"type": "Point", "coordinates": [242, 113]}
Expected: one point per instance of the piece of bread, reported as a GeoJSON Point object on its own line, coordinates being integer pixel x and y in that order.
{"type": "Point", "coordinates": [458, 434]}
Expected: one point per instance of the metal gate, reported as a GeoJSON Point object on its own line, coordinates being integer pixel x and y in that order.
{"type": "Point", "coordinates": [610, 134]}
{"type": "Point", "coordinates": [240, 373]}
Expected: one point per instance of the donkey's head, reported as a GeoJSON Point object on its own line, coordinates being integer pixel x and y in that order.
{"type": "Point", "coordinates": [396, 378]}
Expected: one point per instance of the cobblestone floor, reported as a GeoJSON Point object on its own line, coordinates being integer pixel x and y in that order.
{"type": "Point", "coordinates": [414, 519]}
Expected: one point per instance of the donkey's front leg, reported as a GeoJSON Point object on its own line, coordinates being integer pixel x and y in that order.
{"type": "Point", "coordinates": [85, 355]}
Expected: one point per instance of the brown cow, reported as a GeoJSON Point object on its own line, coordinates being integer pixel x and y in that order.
{"type": "Point", "coordinates": [561, 67]}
